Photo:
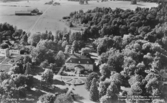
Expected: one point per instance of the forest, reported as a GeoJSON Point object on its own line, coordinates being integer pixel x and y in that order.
{"type": "Point", "coordinates": [132, 50]}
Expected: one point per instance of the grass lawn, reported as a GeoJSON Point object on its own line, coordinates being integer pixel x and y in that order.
{"type": "Point", "coordinates": [6, 61]}
{"type": "Point", "coordinates": [82, 95]}
{"type": "Point", "coordinates": [5, 68]}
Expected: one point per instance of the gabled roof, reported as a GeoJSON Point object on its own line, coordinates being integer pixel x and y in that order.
{"type": "Point", "coordinates": [79, 59]}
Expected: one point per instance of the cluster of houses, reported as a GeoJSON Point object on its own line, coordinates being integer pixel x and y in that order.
{"type": "Point", "coordinates": [83, 1]}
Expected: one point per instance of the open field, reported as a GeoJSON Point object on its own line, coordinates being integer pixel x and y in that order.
{"type": "Point", "coordinates": [5, 68]}
{"type": "Point", "coordinates": [51, 18]}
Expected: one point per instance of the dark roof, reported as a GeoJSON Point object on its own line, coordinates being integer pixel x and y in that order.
{"type": "Point", "coordinates": [79, 59]}
{"type": "Point", "coordinates": [79, 66]}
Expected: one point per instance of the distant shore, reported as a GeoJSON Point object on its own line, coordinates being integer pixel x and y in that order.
{"type": "Point", "coordinates": [15, 0]}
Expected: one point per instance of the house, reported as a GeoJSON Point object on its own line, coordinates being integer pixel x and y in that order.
{"type": "Point", "coordinates": [9, 52]}
{"type": "Point", "coordinates": [79, 61]}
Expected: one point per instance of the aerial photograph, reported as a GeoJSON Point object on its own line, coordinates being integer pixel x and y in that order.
{"type": "Point", "coordinates": [83, 51]}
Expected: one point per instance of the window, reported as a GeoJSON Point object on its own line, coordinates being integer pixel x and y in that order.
{"type": "Point", "coordinates": [79, 62]}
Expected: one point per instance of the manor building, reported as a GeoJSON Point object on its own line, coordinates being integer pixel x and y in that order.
{"type": "Point", "coordinates": [79, 61]}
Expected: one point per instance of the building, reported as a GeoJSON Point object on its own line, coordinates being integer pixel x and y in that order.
{"type": "Point", "coordinates": [9, 52]}
{"type": "Point", "coordinates": [76, 61]}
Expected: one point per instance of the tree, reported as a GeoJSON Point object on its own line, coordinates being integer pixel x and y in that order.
{"type": "Point", "coordinates": [151, 75]}
{"type": "Point", "coordinates": [26, 59]}
{"type": "Point", "coordinates": [7, 85]}
{"type": "Point", "coordinates": [75, 36]}
{"type": "Point", "coordinates": [103, 85]}
{"type": "Point", "coordinates": [58, 36]}
{"type": "Point", "coordinates": [89, 79]}
{"type": "Point", "coordinates": [44, 64]}
{"type": "Point", "coordinates": [94, 30]}
{"type": "Point", "coordinates": [115, 60]}
{"type": "Point", "coordinates": [152, 84]}
{"type": "Point", "coordinates": [45, 50]}
{"type": "Point", "coordinates": [60, 58]}
{"type": "Point", "coordinates": [67, 49]}
{"type": "Point", "coordinates": [94, 94]}
{"type": "Point", "coordinates": [70, 24]}
{"type": "Point", "coordinates": [105, 70]}
{"type": "Point", "coordinates": [156, 92]}
{"type": "Point", "coordinates": [100, 49]}
{"type": "Point", "coordinates": [112, 89]}
{"type": "Point", "coordinates": [112, 92]}
{"type": "Point", "coordinates": [103, 44]}
{"type": "Point", "coordinates": [105, 99]}
{"type": "Point", "coordinates": [47, 98]}
{"type": "Point", "coordinates": [24, 39]}
{"type": "Point", "coordinates": [136, 89]}
{"type": "Point", "coordinates": [117, 42]}
{"type": "Point", "coordinates": [64, 44]}
{"type": "Point", "coordinates": [19, 80]}
{"type": "Point", "coordinates": [47, 76]}
{"type": "Point", "coordinates": [28, 68]}
{"type": "Point", "coordinates": [29, 81]}
{"type": "Point", "coordinates": [81, 44]}
{"type": "Point", "coordinates": [85, 51]}
{"type": "Point", "coordinates": [75, 46]}
{"type": "Point", "coordinates": [123, 30]}
{"type": "Point", "coordinates": [15, 69]}
{"type": "Point", "coordinates": [44, 36]}
{"type": "Point", "coordinates": [117, 78]}
{"type": "Point", "coordinates": [19, 92]}
{"type": "Point", "coordinates": [34, 39]}
{"type": "Point", "coordinates": [17, 33]}
{"type": "Point", "coordinates": [129, 65]}
{"type": "Point", "coordinates": [3, 76]}
{"type": "Point", "coordinates": [53, 66]}
{"type": "Point", "coordinates": [134, 79]}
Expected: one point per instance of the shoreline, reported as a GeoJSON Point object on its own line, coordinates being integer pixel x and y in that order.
{"type": "Point", "coordinates": [51, 19]}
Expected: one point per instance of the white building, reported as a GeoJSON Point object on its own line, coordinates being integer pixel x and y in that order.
{"type": "Point", "coordinates": [79, 61]}
{"type": "Point", "coordinates": [9, 52]}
